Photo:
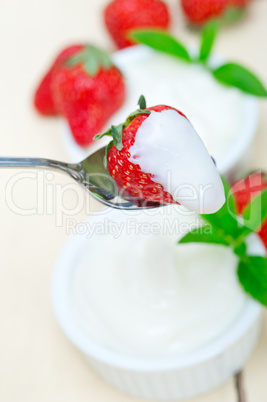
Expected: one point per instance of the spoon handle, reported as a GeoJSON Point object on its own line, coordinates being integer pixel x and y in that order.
{"type": "Point", "coordinates": [72, 169]}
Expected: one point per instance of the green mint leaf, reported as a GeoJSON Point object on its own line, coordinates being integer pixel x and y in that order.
{"type": "Point", "coordinates": [161, 41]}
{"type": "Point", "coordinates": [204, 234]}
{"type": "Point", "coordinates": [142, 102]}
{"type": "Point", "coordinates": [117, 136]}
{"type": "Point", "coordinates": [209, 34]}
{"type": "Point", "coordinates": [225, 220]}
{"type": "Point", "coordinates": [230, 198]}
{"type": "Point", "coordinates": [108, 148]}
{"type": "Point", "coordinates": [237, 76]}
{"type": "Point", "coordinates": [252, 274]}
{"type": "Point", "coordinates": [240, 250]}
{"type": "Point", "coordinates": [255, 213]}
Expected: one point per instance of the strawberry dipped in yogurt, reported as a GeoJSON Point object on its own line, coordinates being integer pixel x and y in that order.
{"type": "Point", "coordinates": [157, 155]}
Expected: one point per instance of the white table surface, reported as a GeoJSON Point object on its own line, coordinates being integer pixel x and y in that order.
{"type": "Point", "coordinates": [37, 362]}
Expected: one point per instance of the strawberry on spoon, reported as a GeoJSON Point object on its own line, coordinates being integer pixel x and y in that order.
{"type": "Point", "coordinates": [157, 155]}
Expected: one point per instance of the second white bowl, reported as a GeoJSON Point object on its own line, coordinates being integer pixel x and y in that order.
{"type": "Point", "coordinates": [158, 88]}
{"type": "Point", "coordinates": [158, 378]}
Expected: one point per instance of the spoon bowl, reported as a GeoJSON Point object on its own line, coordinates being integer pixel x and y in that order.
{"type": "Point", "coordinates": [90, 173]}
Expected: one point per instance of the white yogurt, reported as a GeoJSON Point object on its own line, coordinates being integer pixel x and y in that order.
{"type": "Point", "coordinates": [167, 146]}
{"type": "Point", "coordinates": [147, 296]}
{"type": "Point", "coordinates": [217, 112]}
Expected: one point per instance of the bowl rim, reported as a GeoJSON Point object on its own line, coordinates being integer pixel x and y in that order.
{"type": "Point", "coordinates": [251, 105]}
{"type": "Point", "coordinates": [239, 146]}
{"type": "Point", "coordinates": [60, 293]}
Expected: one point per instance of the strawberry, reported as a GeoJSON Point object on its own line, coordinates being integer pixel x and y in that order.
{"type": "Point", "coordinates": [126, 174]}
{"type": "Point", "coordinates": [87, 89]}
{"type": "Point", "coordinates": [245, 190]}
{"type": "Point", "coordinates": [43, 98]}
{"type": "Point", "coordinates": [200, 11]}
{"type": "Point", "coordinates": [239, 3]}
{"type": "Point", "coordinates": [121, 16]}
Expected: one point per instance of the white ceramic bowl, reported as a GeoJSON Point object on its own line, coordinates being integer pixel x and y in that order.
{"type": "Point", "coordinates": [163, 378]}
{"type": "Point", "coordinates": [234, 161]}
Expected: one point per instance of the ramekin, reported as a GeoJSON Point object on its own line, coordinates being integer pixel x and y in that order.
{"type": "Point", "coordinates": [237, 158]}
{"type": "Point", "coordinates": [164, 378]}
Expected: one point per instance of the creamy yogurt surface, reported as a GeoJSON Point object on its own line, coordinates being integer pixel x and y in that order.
{"type": "Point", "coordinates": [167, 146]}
{"type": "Point", "coordinates": [139, 293]}
{"type": "Point", "coordinates": [216, 111]}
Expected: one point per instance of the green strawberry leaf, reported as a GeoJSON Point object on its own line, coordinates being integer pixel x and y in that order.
{"type": "Point", "coordinates": [252, 274]}
{"type": "Point", "coordinates": [208, 36]}
{"type": "Point", "coordinates": [138, 112]}
{"type": "Point", "coordinates": [204, 234]}
{"type": "Point", "coordinates": [91, 66]}
{"type": "Point", "coordinates": [116, 132]}
{"type": "Point", "coordinates": [92, 59]}
{"type": "Point", "coordinates": [108, 148]}
{"type": "Point", "coordinates": [142, 102]}
{"type": "Point", "coordinates": [240, 249]}
{"type": "Point", "coordinates": [232, 74]}
{"type": "Point", "coordinates": [79, 57]}
{"type": "Point", "coordinates": [98, 136]}
{"type": "Point", "coordinates": [161, 41]}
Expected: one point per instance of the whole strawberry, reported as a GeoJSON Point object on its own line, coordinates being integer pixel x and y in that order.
{"type": "Point", "coordinates": [200, 11]}
{"type": "Point", "coordinates": [127, 174]}
{"type": "Point", "coordinates": [156, 155]}
{"type": "Point", "coordinates": [121, 16]}
{"type": "Point", "coordinates": [87, 89]}
{"type": "Point", "coordinates": [43, 97]}
{"type": "Point", "coordinates": [245, 190]}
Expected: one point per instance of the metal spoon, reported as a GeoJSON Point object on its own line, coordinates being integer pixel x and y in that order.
{"type": "Point", "coordinates": [89, 173]}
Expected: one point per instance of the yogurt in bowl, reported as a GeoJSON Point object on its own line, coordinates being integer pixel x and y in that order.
{"type": "Point", "coordinates": [225, 118]}
{"type": "Point", "coordinates": [156, 319]}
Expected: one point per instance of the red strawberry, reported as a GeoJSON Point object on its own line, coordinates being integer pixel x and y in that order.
{"type": "Point", "coordinates": [130, 176]}
{"type": "Point", "coordinates": [121, 16]}
{"type": "Point", "coordinates": [239, 3]}
{"type": "Point", "coordinates": [126, 174]}
{"type": "Point", "coordinates": [245, 190]}
{"type": "Point", "coordinates": [43, 98]}
{"type": "Point", "coordinates": [87, 89]}
{"type": "Point", "coordinates": [200, 11]}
